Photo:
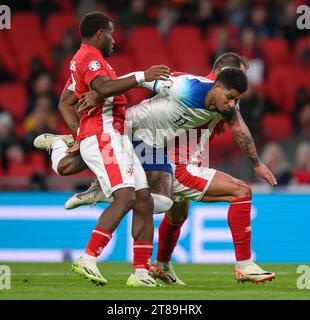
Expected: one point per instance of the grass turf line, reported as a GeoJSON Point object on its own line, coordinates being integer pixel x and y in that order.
{"type": "Point", "coordinates": [204, 282]}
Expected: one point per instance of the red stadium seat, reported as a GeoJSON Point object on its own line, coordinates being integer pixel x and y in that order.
{"type": "Point", "coordinates": [57, 24]}
{"type": "Point", "coordinates": [7, 55]}
{"type": "Point", "coordinates": [145, 39]}
{"type": "Point", "coordinates": [276, 52]}
{"type": "Point", "coordinates": [120, 43]}
{"type": "Point", "coordinates": [148, 48]}
{"type": "Point", "coordinates": [211, 40]}
{"type": "Point", "coordinates": [283, 83]}
{"type": "Point", "coordinates": [24, 169]}
{"type": "Point", "coordinates": [276, 126]}
{"type": "Point", "coordinates": [14, 98]}
{"type": "Point", "coordinates": [37, 159]}
{"type": "Point", "coordinates": [121, 64]}
{"type": "Point", "coordinates": [65, 5]}
{"type": "Point", "coordinates": [186, 45]}
{"type": "Point", "coordinates": [27, 48]}
{"type": "Point", "coordinates": [144, 61]}
{"type": "Point", "coordinates": [301, 44]}
{"type": "Point", "coordinates": [64, 70]}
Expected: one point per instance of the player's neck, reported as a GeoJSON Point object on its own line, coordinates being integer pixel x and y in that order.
{"type": "Point", "coordinates": [89, 42]}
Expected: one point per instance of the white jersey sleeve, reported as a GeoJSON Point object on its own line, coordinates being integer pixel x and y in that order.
{"type": "Point", "coordinates": [186, 90]}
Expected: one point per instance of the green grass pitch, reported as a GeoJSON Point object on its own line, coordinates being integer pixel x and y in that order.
{"type": "Point", "coordinates": [204, 282]}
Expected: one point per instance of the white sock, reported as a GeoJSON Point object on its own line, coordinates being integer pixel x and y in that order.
{"type": "Point", "coordinates": [58, 153]}
{"type": "Point", "coordinates": [141, 271]}
{"type": "Point", "coordinates": [243, 263]}
{"type": "Point", "coordinates": [88, 257]}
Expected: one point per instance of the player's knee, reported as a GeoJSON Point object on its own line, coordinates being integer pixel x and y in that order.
{"type": "Point", "coordinates": [242, 190]}
{"type": "Point", "coordinates": [144, 198]}
{"type": "Point", "coordinates": [125, 199]}
{"type": "Point", "coordinates": [161, 203]}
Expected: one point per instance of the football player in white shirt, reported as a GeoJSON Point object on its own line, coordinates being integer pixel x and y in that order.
{"type": "Point", "coordinates": [182, 104]}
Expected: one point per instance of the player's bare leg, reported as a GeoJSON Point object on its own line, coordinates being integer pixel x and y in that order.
{"type": "Point", "coordinates": [223, 188]}
{"type": "Point", "coordinates": [161, 184]}
{"type": "Point", "coordinates": [72, 163]}
{"type": "Point", "coordinates": [64, 164]}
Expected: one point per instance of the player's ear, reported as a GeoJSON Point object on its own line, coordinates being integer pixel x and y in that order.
{"type": "Point", "coordinates": [217, 85]}
{"type": "Point", "coordinates": [99, 34]}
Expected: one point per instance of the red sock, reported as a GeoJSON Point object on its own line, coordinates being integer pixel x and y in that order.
{"type": "Point", "coordinates": [98, 240]}
{"type": "Point", "coordinates": [239, 220]}
{"type": "Point", "coordinates": [142, 252]}
{"type": "Point", "coordinates": [168, 236]}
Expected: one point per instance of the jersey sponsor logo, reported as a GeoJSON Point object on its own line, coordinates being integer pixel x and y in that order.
{"type": "Point", "coordinates": [94, 65]}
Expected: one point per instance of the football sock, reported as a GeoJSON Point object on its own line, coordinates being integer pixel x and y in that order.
{"type": "Point", "coordinates": [99, 239]}
{"type": "Point", "coordinates": [168, 236]}
{"type": "Point", "coordinates": [142, 252]}
{"type": "Point", "coordinates": [239, 220]}
{"type": "Point", "coordinates": [58, 153]}
{"type": "Point", "coordinates": [243, 263]}
{"type": "Point", "coordinates": [141, 272]}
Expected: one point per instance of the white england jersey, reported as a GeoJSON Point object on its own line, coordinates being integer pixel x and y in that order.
{"type": "Point", "coordinates": [179, 106]}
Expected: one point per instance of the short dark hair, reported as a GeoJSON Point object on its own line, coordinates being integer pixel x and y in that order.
{"type": "Point", "coordinates": [92, 22]}
{"type": "Point", "coordinates": [230, 60]}
{"type": "Point", "coordinates": [233, 78]}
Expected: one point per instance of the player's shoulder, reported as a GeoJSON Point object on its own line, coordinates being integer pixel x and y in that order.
{"type": "Point", "coordinates": [193, 77]}
{"type": "Point", "coordinates": [92, 61]}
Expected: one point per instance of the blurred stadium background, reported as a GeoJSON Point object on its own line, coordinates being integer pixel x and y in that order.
{"type": "Point", "coordinates": [186, 35]}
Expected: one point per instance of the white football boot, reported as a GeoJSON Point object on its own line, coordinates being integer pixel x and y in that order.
{"type": "Point", "coordinates": [46, 141]}
{"type": "Point", "coordinates": [165, 272]}
{"type": "Point", "coordinates": [141, 278]}
{"type": "Point", "coordinates": [91, 196]}
{"type": "Point", "coordinates": [252, 272]}
{"type": "Point", "coordinates": [87, 268]}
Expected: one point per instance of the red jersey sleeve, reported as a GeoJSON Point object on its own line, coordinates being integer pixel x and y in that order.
{"type": "Point", "coordinates": [93, 65]}
{"type": "Point", "coordinates": [69, 84]}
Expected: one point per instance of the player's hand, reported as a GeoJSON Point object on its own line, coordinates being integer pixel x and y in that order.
{"type": "Point", "coordinates": [262, 171]}
{"type": "Point", "coordinates": [75, 148]}
{"type": "Point", "coordinates": [90, 101]}
{"type": "Point", "coordinates": [159, 72]}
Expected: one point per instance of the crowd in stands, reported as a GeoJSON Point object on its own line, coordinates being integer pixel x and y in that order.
{"type": "Point", "coordinates": [186, 35]}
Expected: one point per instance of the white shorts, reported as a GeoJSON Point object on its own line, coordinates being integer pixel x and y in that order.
{"type": "Point", "coordinates": [112, 159]}
{"type": "Point", "coordinates": [191, 182]}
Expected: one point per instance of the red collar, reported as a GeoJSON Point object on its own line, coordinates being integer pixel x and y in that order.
{"type": "Point", "coordinates": [90, 48]}
{"type": "Point", "coordinates": [211, 76]}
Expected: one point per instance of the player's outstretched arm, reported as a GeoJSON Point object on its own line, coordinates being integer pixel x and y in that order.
{"type": "Point", "coordinates": [245, 141]}
{"type": "Point", "coordinates": [66, 107]}
{"type": "Point", "coordinates": [106, 87]}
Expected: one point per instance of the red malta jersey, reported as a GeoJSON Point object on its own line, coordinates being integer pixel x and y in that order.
{"type": "Point", "coordinates": [85, 66]}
